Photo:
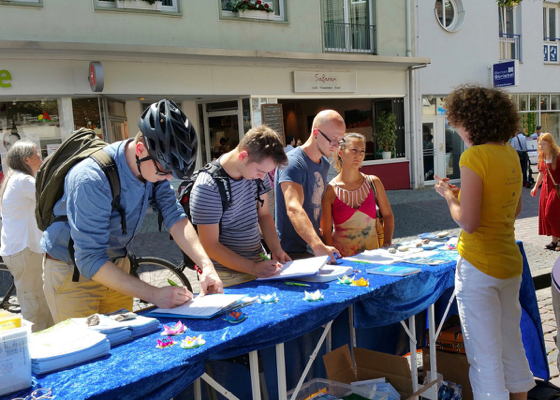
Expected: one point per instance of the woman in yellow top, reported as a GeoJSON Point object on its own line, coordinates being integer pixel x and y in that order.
{"type": "Point", "coordinates": [488, 275]}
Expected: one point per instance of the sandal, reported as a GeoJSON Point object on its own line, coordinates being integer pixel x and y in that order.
{"type": "Point", "coordinates": [552, 246]}
{"type": "Point", "coordinates": [557, 248]}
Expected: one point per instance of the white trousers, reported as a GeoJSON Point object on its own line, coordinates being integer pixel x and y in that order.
{"type": "Point", "coordinates": [490, 316]}
{"type": "Point", "coordinates": [27, 269]}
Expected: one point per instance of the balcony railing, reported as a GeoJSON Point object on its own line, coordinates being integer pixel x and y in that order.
{"type": "Point", "coordinates": [349, 38]}
{"type": "Point", "coordinates": [510, 46]}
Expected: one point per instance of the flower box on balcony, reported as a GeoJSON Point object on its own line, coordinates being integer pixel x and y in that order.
{"type": "Point", "coordinates": [139, 5]}
{"type": "Point", "coordinates": [254, 14]}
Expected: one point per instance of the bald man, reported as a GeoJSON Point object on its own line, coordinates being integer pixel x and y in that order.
{"type": "Point", "coordinates": [300, 186]}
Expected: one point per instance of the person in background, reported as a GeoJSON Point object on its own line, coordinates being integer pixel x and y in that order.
{"type": "Point", "coordinates": [538, 132]}
{"type": "Point", "coordinates": [351, 204]}
{"type": "Point", "coordinates": [21, 249]}
{"type": "Point", "coordinates": [519, 143]}
{"type": "Point", "coordinates": [549, 203]}
{"type": "Point", "coordinates": [300, 186]}
{"type": "Point", "coordinates": [490, 264]}
{"type": "Point", "coordinates": [291, 142]}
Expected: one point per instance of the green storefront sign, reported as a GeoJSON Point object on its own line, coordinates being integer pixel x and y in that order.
{"type": "Point", "coordinates": [5, 78]}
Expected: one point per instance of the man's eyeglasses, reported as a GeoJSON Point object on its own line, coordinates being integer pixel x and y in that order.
{"type": "Point", "coordinates": [159, 171]}
{"type": "Point", "coordinates": [331, 142]}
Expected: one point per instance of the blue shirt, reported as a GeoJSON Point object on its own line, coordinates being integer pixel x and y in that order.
{"type": "Point", "coordinates": [312, 177]}
{"type": "Point", "coordinates": [94, 225]}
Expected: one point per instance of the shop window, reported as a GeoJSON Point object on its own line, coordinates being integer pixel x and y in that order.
{"type": "Point", "coordinates": [33, 120]}
{"type": "Point", "coordinates": [450, 14]}
{"type": "Point", "coordinates": [86, 114]}
{"type": "Point", "coordinates": [258, 9]}
{"type": "Point", "coordinates": [170, 6]}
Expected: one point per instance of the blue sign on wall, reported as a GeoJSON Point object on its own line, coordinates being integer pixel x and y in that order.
{"type": "Point", "coordinates": [545, 49]}
{"type": "Point", "coordinates": [553, 53]}
{"type": "Point", "coordinates": [506, 73]}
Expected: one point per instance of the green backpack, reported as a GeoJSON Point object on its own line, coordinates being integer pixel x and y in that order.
{"type": "Point", "coordinates": [49, 182]}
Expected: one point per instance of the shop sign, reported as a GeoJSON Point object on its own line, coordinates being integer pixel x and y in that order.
{"type": "Point", "coordinates": [5, 78]}
{"type": "Point", "coordinates": [95, 77]}
{"type": "Point", "coordinates": [325, 82]}
{"type": "Point", "coordinates": [506, 74]}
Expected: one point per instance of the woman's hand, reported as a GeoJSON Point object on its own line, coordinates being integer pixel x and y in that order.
{"type": "Point", "coordinates": [534, 191]}
{"type": "Point", "coordinates": [443, 187]}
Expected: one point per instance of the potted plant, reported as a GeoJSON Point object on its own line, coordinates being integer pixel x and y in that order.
{"type": "Point", "coordinates": [140, 4]}
{"type": "Point", "coordinates": [251, 8]}
{"type": "Point", "coordinates": [386, 133]}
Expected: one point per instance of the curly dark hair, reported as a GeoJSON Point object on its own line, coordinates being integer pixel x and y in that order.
{"type": "Point", "coordinates": [262, 142]}
{"type": "Point", "coordinates": [488, 115]}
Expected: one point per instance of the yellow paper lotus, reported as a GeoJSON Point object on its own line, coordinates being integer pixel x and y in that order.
{"type": "Point", "coordinates": [361, 282]}
{"type": "Point", "coordinates": [192, 342]}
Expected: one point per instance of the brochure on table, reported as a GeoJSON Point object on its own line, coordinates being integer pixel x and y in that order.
{"type": "Point", "coordinates": [299, 268]}
{"type": "Point", "coordinates": [383, 257]}
{"type": "Point", "coordinates": [202, 307]}
{"type": "Point", "coordinates": [393, 270]}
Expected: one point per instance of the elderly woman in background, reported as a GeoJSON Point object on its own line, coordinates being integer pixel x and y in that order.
{"type": "Point", "coordinates": [351, 202]}
{"type": "Point", "coordinates": [20, 247]}
{"type": "Point", "coordinates": [549, 202]}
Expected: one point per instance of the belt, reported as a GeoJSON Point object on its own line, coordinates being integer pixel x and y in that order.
{"type": "Point", "coordinates": [51, 258]}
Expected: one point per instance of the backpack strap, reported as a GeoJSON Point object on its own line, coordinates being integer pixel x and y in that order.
{"type": "Point", "coordinates": [260, 190]}
{"type": "Point", "coordinates": [109, 167]}
{"type": "Point", "coordinates": [215, 169]}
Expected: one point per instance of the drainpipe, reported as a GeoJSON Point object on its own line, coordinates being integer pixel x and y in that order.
{"type": "Point", "coordinates": [408, 29]}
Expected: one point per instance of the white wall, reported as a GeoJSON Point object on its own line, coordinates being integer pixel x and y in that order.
{"type": "Point", "coordinates": [465, 56]}
{"type": "Point", "coordinates": [199, 26]}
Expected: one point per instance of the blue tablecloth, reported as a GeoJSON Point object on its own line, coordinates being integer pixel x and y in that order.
{"type": "Point", "coordinates": [137, 369]}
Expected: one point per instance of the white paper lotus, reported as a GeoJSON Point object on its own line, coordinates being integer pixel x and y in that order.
{"type": "Point", "coordinates": [313, 296]}
{"type": "Point", "coordinates": [268, 298]}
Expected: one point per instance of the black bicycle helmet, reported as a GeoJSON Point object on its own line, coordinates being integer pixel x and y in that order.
{"type": "Point", "coordinates": [170, 138]}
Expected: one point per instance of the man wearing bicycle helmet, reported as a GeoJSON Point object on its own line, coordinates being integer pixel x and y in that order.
{"type": "Point", "coordinates": [166, 145]}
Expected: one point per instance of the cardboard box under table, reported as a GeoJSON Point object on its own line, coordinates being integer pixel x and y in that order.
{"type": "Point", "coordinates": [371, 365]}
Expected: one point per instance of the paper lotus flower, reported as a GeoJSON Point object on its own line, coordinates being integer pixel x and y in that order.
{"type": "Point", "coordinates": [345, 280]}
{"type": "Point", "coordinates": [361, 282]}
{"type": "Point", "coordinates": [314, 296]}
{"type": "Point", "coordinates": [167, 342]}
{"type": "Point", "coordinates": [235, 317]}
{"type": "Point", "coordinates": [192, 342]}
{"type": "Point", "coordinates": [268, 298]}
{"type": "Point", "coordinates": [176, 329]}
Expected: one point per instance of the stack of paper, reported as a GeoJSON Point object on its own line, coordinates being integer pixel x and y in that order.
{"type": "Point", "coordinates": [393, 270]}
{"type": "Point", "coordinates": [65, 344]}
{"type": "Point", "coordinates": [201, 306]}
{"type": "Point", "coordinates": [120, 331]}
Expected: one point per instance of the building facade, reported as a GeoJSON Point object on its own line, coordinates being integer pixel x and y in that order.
{"type": "Point", "coordinates": [464, 40]}
{"type": "Point", "coordinates": [229, 70]}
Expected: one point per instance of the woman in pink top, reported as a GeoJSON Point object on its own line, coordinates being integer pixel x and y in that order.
{"type": "Point", "coordinates": [350, 204]}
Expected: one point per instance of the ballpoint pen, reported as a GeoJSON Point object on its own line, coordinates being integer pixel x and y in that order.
{"type": "Point", "coordinates": [264, 257]}
{"type": "Point", "coordinates": [171, 282]}
{"type": "Point", "coordinates": [296, 284]}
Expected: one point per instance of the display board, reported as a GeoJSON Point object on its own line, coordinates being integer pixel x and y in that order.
{"type": "Point", "coordinates": [273, 117]}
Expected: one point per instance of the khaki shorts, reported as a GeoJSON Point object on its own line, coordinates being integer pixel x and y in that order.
{"type": "Point", "coordinates": [67, 299]}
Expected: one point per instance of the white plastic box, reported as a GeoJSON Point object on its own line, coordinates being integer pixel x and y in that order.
{"type": "Point", "coordinates": [334, 388]}
{"type": "Point", "coordinates": [15, 362]}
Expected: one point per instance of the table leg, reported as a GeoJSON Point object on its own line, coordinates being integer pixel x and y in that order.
{"type": "Point", "coordinates": [412, 341]}
{"type": "Point", "coordinates": [352, 330]}
{"type": "Point", "coordinates": [281, 372]}
{"type": "Point", "coordinates": [219, 388]}
{"type": "Point", "coordinates": [311, 360]}
{"type": "Point", "coordinates": [197, 390]}
{"type": "Point", "coordinates": [255, 379]}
